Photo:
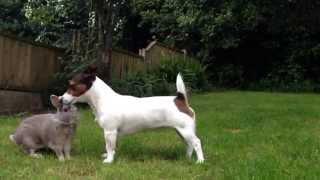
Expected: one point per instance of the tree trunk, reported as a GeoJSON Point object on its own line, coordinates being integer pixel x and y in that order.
{"type": "Point", "coordinates": [104, 11]}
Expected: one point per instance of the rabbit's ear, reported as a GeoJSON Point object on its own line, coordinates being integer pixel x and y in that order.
{"type": "Point", "coordinates": [55, 101]}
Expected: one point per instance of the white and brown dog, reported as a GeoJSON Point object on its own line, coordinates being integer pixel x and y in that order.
{"type": "Point", "coordinates": [120, 115]}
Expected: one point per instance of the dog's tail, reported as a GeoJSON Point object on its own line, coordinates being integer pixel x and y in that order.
{"type": "Point", "coordinates": [182, 99]}
{"type": "Point", "coordinates": [181, 88]}
{"type": "Point", "coordinates": [11, 137]}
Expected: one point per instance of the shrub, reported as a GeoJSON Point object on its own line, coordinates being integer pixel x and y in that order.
{"type": "Point", "coordinates": [142, 84]}
{"type": "Point", "coordinates": [193, 72]}
{"type": "Point", "coordinates": [160, 80]}
{"type": "Point", "coordinates": [229, 76]}
{"type": "Point", "coordinates": [70, 64]}
{"type": "Point", "coordinates": [285, 77]}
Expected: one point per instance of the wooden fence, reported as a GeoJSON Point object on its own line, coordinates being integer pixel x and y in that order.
{"type": "Point", "coordinates": [124, 62]}
{"type": "Point", "coordinates": [26, 66]}
{"type": "Point", "coordinates": [26, 69]}
{"type": "Point", "coordinates": [155, 52]}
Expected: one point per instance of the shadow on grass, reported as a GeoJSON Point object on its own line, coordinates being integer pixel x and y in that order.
{"type": "Point", "coordinates": [141, 152]}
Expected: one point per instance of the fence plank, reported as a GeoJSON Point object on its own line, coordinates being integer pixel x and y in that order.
{"type": "Point", "coordinates": [25, 66]}
{"type": "Point", "coordinates": [29, 66]}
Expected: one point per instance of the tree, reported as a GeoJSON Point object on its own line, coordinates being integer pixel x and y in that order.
{"type": "Point", "coordinates": [106, 18]}
{"type": "Point", "coordinates": [253, 38]}
{"type": "Point", "coordinates": [248, 40]}
{"type": "Point", "coordinates": [94, 20]}
{"type": "Point", "coordinates": [12, 19]}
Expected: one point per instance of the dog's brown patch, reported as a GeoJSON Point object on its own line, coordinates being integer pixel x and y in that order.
{"type": "Point", "coordinates": [182, 104]}
{"type": "Point", "coordinates": [82, 82]}
{"type": "Point", "coordinates": [77, 89]}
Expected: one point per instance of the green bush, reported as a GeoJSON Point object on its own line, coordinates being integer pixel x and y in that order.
{"type": "Point", "coordinates": [227, 76]}
{"type": "Point", "coordinates": [194, 74]}
{"type": "Point", "coordinates": [142, 84]}
{"type": "Point", "coordinates": [289, 77]}
{"type": "Point", "coordinates": [161, 80]}
{"type": "Point", "coordinates": [70, 64]}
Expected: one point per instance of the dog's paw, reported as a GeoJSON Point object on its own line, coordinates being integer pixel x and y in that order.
{"type": "Point", "coordinates": [104, 155]}
{"type": "Point", "coordinates": [200, 161]}
{"type": "Point", "coordinates": [107, 161]}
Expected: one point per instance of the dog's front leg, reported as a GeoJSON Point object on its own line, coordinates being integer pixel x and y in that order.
{"type": "Point", "coordinates": [111, 141]}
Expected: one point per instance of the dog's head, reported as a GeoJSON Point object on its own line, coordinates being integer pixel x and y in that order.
{"type": "Point", "coordinates": [79, 85]}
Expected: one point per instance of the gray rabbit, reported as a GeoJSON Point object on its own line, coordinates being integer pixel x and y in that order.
{"type": "Point", "coordinates": [54, 131]}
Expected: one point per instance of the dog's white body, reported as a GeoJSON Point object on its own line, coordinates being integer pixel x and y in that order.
{"type": "Point", "coordinates": [120, 115]}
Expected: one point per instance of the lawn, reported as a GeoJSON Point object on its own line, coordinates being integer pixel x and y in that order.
{"type": "Point", "coordinates": [245, 135]}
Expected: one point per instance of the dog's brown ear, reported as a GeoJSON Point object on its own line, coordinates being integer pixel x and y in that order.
{"type": "Point", "coordinates": [92, 69]}
{"type": "Point", "coordinates": [55, 101]}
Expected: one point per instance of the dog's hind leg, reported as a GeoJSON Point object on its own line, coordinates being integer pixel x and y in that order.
{"type": "Point", "coordinates": [189, 135]}
{"type": "Point", "coordinates": [189, 151]}
{"type": "Point", "coordinates": [111, 142]}
{"type": "Point", "coordinates": [189, 145]}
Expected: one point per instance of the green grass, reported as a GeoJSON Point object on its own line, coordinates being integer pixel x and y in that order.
{"type": "Point", "coordinates": [245, 135]}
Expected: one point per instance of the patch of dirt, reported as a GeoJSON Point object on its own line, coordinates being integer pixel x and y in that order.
{"type": "Point", "coordinates": [234, 131]}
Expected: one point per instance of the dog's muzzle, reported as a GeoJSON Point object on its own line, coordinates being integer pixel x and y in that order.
{"type": "Point", "coordinates": [67, 99]}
